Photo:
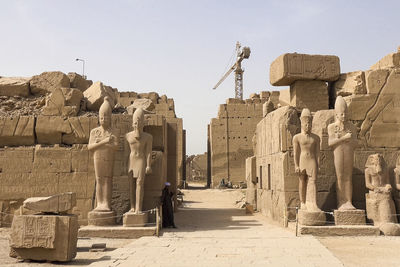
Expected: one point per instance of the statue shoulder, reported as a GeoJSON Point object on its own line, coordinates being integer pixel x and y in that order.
{"type": "Point", "coordinates": [331, 127]}
{"type": "Point", "coordinates": [315, 136]}
{"type": "Point", "coordinates": [95, 131]}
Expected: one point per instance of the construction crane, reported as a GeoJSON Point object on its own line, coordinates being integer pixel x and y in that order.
{"type": "Point", "coordinates": [237, 67]}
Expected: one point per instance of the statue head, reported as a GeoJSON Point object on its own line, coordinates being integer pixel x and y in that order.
{"type": "Point", "coordinates": [105, 112]}
{"type": "Point", "coordinates": [138, 121]}
{"type": "Point", "coordinates": [376, 163]}
{"type": "Point", "coordinates": [306, 120]}
{"type": "Point", "coordinates": [340, 109]}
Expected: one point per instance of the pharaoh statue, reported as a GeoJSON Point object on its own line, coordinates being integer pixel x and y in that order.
{"type": "Point", "coordinates": [306, 148]}
{"type": "Point", "coordinates": [342, 139]}
{"type": "Point", "coordinates": [140, 144]}
{"type": "Point", "coordinates": [103, 143]}
{"type": "Point", "coordinates": [379, 202]}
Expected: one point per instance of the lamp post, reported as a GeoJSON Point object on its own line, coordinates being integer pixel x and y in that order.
{"type": "Point", "coordinates": [83, 67]}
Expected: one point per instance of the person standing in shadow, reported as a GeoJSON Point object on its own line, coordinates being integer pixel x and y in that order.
{"type": "Point", "coordinates": [167, 209]}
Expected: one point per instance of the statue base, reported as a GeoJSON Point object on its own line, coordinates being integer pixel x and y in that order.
{"type": "Point", "coordinates": [311, 218]}
{"type": "Point", "coordinates": [135, 220]}
{"type": "Point", "coordinates": [101, 218]}
{"type": "Point", "coordinates": [349, 217]}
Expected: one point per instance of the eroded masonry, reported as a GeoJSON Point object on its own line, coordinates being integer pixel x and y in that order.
{"type": "Point", "coordinates": [45, 123]}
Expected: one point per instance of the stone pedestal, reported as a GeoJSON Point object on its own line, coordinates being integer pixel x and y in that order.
{"type": "Point", "coordinates": [103, 218]}
{"type": "Point", "coordinates": [349, 217]}
{"type": "Point", "coordinates": [312, 218]}
{"type": "Point", "coordinates": [135, 220]}
{"type": "Point", "coordinates": [44, 237]}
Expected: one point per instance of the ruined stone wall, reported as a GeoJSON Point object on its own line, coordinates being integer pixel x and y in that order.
{"type": "Point", "coordinates": [231, 136]}
{"type": "Point", "coordinates": [196, 168]}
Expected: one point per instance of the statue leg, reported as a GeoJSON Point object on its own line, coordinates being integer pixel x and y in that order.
{"type": "Point", "coordinates": [302, 190]}
{"type": "Point", "coordinates": [312, 194]}
{"type": "Point", "coordinates": [108, 192]}
{"type": "Point", "coordinates": [100, 194]}
{"type": "Point", "coordinates": [139, 194]}
{"type": "Point", "coordinates": [132, 189]}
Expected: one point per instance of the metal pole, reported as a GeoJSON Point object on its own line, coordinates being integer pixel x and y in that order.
{"type": "Point", "coordinates": [297, 221]}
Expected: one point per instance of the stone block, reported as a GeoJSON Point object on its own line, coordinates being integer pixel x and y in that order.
{"type": "Point", "coordinates": [320, 122]}
{"type": "Point", "coordinates": [14, 86]}
{"type": "Point", "coordinates": [56, 105]}
{"type": "Point", "coordinates": [358, 105]}
{"type": "Point", "coordinates": [73, 97]}
{"type": "Point", "coordinates": [351, 83]}
{"type": "Point", "coordinates": [80, 130]}
{"type": "Point", "coordinates": [103, 218]}
{"type": "Point", "coordinates": [289, 68]}
{"type": "Point", "coordinates": [309, 94]}
{"type": "Point", "coordinates": [16, 160]}
{"type": "Point", "coordinates": [47, 82]}
{"type": "Point", "coordinates": [391, 60]}
{"type": "Point", "coordinates": [52, 160]}
{"type": "Point", "coordinates": [55, 204]}
{"type": "Point", "coordinates": [311, 217]}
{"type": "Point", "coordinates": [17, 131]}
{"type": "Point", "coordinates": [49, 129]}
{"type": "Point", "coordinates": [349, 217]}
{"type": "Point", "coordinates": [78, 82]}
{"type": "Point", "coordinates": [95, 95]}
{"type": "Point", "coordinates": [375, 80]}
{"type": "Point", "coordinates": [135, 220]}
{"type": "Point", "coordinates": [143, 103]}
{"type": "Point", "coordinates": [80, 159]}
{"type": "Point", "coordinates": [44, 237]}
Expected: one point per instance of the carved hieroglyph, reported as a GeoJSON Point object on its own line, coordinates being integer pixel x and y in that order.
{"type": "Point", "coordinates": [342, 139]}
{"type": "Point", "coordinates": [140, 144]}
{"type": "Point", "coordinates": [103, 142]}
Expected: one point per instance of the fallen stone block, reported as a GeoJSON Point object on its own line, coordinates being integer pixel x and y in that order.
{"type": "Point", "coordinates": [143, 103]}
{"type": "Point", "coordinates": [292, 67]}
{"type": "Point", "coordinates": [55, 204]}
{"type": "Point", "coordinates": [95, 95]}
{"type": "Point", "coordinates": [14, 86]}
{"type": "Point", "coordinates": [57, 106]}
{"type": "Point", "coordinates": [44, 237]}
{"type": "Point", "coordinates": [78, 82]}
{"type": "Point", "coordinates": [47, 82]}
{"type": "Point", "coordinates": [73, 97]}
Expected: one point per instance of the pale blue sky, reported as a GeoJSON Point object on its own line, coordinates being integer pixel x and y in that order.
{"type": "Point", "coordinates": [181, 48]}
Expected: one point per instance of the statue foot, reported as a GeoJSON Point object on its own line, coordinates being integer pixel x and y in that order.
{"type": "Point", "coordinates": [132, 210]}
{"type": "Point", "coordinates": [346, 206]}
{"type": "Point", "coordinates": [303, 206]}
{"type": "Point", "coordinates": [101, 209]}
{"type": "Point", "coordinates": [312, 207]}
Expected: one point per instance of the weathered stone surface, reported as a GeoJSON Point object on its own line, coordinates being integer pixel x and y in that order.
{"type": "Point", "coordinates": [349, 217]}
{"type": "Point", "coordinates": [73, 97]}
{"type": "Point", "coordinates": [102, 218]}
{"type": "Point", "coordinates": [47, 82]}
{"type": "Point", "coordinates": [358, 105]}
{"type": "Point", "coordinates": [375, 80]}
{"type": "Point", "coordinates": [311, 217]}
{"type": "Point", "coordinates": [57, 106]}
{"type": "Point", "coordinates": [234, 101]}
{"type": "Point", "coordinates": [351, 83]}
{"type": "Point", "coordinates": [341, 230]}
{"type": "Point", "coordinates": [153, 96]}
{"type": "Point", "coordinates": [284, 97]}
{"type": "Point", "coordinates": [49, 129]}
{"type": "Point", "coordinates": [309, 94]}
{"type": "Point", "coordinates": [144, 103]}
{"type": "Point", "coordinates": [135, 220]}
{"type": "Point", "coordinates": [289, 68]}
{"type": "Point", "coordinates": [391, 60]}
{"type": "Point", "coordinates": [14, 86]}
{"type": "Point", "coordinates": [116, 231]}
{"type": "Point", "coordinates": [390, 229]}
{"type": "Point", "coordinates": [95, 95]}
{"type": "Point", "coordinates": [17, 131]}
{"type": "Point", "coordinates": [251, 179]}
{"type": "Point", "coordinates": [80, 130]}
{"type": "Point", "coordinates": [44, 237]}
{"type": "Point", "coordinates": [321, 120]}
{"type": "Point", "coordinates": [78, 82]}
{"type": "Point", "coordinates": [56, 204]}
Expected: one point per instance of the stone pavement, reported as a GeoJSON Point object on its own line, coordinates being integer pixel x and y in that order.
{"type": "Point", "coordinates": [213, 232]}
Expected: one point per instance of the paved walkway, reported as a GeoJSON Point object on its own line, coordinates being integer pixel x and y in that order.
{"type": "Point", "coordinates": [212, 232]}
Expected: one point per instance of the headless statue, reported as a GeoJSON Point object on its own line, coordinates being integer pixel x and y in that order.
{"type": "Point", "coordinates": [306, 146]}
{"type": "Point", "coordinates": [342, 139]}
{"type": "Point", "coordinates": [140, 144]}
{"type": "Point", "coordinates": [103, 143]}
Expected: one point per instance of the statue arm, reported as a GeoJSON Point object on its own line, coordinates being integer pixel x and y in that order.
{"type": "Point", "coordinates": [397, 178]}
{"type": "Point", "coordinates": [149, 147]}
{"type": "Point", "coordinates": [93, 144]}
{"type": "Point", "coordinates": [333, 140]}
{"type": "Point", "coordinates": [368, 183]}
{"type": "Point", "coordinates": [317, 149]}
{"type": "Point", "coordinates": [296, 153]}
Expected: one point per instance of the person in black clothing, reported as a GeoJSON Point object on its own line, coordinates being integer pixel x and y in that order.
{"type": "Point", "coordinates": [167, 210]}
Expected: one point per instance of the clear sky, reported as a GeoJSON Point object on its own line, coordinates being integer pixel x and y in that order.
{"type": "Point", "coordinates": [181, 48]}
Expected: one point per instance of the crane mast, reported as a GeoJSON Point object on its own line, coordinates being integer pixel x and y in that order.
{"type": "Point", "coordinates": [241, 54]}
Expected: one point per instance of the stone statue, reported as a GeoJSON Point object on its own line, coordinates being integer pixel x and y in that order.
{"type": "Point", "coordinates": [379, 202]}
{"type": "Point", "coordinates": [140, 144]}
{"type": "Point", "coordinates": [397, 173]}
{"type": "Point", "coordinates": [103, 143]}
{"type": "Point", "coordinates": [342, 138]}
{"type": "Point", "coordinates": [306, 147]}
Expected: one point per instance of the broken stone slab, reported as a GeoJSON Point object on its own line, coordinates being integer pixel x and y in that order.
{"type": "Point", "coordinates": [44, 237]}
{"type": "Point", "coordinates": [57, 106]}
{"type": "Point", "coordinates": [144, 103]}
{"type": "Point", "coordinates": [78, 82]}
{"type": "Point", "coordinates": [56, 204]}
{"type": "Point", "coordinates": [47, 82]}
{"type": "Point", "coordinates": [351, 83]}
{"type": "Point", "coordinates": [73, 97]}
{"type": "Point", "coordinates": [391, 60]}
{"type": "Point", "coordinates": [14, 86]}
{"type": "Point", "coordinates": [292, 67]}
{"type": "Point", "coordinates": [17, 131]}
{"type": "Point", "coordinates": [95, 95]}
